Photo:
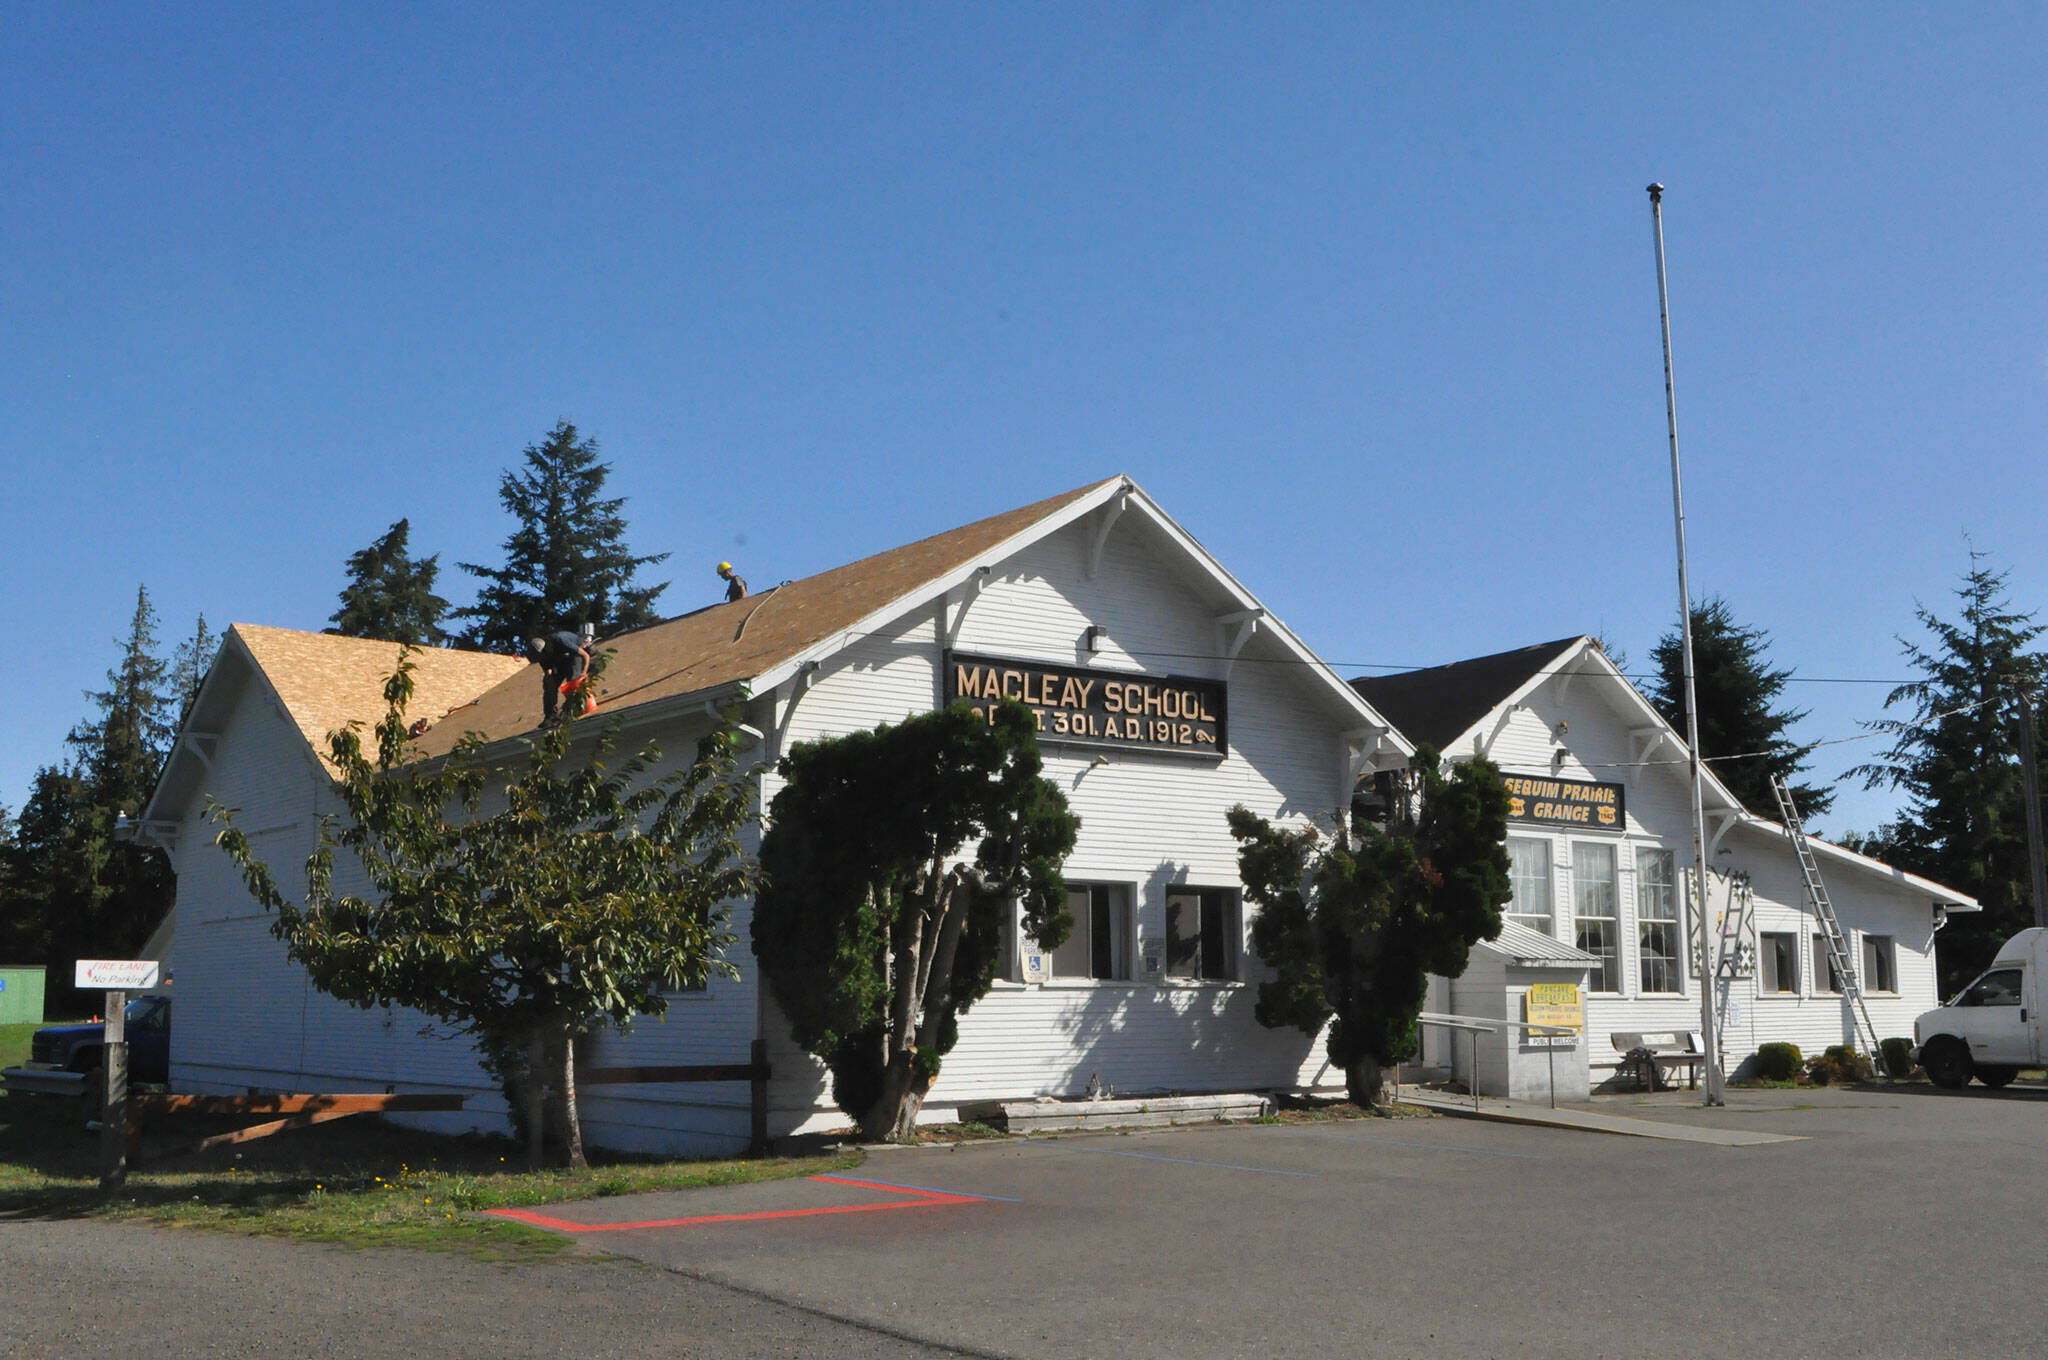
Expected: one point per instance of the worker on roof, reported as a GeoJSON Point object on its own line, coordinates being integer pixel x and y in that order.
{"type": "Point", "coordinates": [735, 584]}
{"type": "Point", "coordinates": [564, 659]}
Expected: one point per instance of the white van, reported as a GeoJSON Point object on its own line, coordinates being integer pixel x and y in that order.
{"type": "Point", "coordinates": [1993, 1027]}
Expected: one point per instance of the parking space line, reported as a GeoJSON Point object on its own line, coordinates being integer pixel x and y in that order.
{"type": "Point", "coordinates": [1183, 1161]}
{"type": "Point", "coordinates": [915, 1198]}
{"type": "Point", "coordinates": [1429, 1147]}
{"type": "Point", "coordinates": [919, 1189]}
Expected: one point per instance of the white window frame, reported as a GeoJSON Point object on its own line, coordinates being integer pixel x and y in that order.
{"type": "Point", "coordinates": [1676, 921]}
{"type": "Point", "coordinates": [1123, 942]}
{"type": "Point", "coordinates": [1792, 991]}
{"type": "Point", "coordinates": [1230, 929]}
{"type": "Point", "coordinates": [1822, 969]}
{"type": "Point", "coordinates": [1613, 916]}
{"type": "Point", "coordinates": [1887, 948]}
{"type": "Point", "coordinates": [1548, 851]}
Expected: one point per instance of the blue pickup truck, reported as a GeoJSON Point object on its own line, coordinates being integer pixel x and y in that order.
{"type": "Point", "coordinates": [62, 1059]}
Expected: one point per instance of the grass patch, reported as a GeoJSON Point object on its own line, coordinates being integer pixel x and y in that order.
{"type": "Point", "coordinates": [359, 1182]}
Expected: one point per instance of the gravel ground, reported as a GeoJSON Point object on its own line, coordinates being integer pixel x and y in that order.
{"type": "Point", "coordinates": [83, 1289]}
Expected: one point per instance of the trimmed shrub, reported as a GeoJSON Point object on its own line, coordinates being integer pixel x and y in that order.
{"type": "Point", "coordinates": [1777, 1062]}
{"type": "Point", "coordinates": [1840, 1064]}
{"type": "Point", "coordinates": [1898, 1057]}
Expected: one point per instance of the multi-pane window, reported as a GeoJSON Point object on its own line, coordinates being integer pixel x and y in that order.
{"type": "Point", "coordinates": [1777, 962]}
{"type": "Point", "coordinates": [1657, 917]}
{"type": "Point", "coordinates": [1201, 933]}
{"type": "Point", "coordinates": [1099, 946]}
{"type": "Point", "coordinates": [1826, 977]}
{"type": "Point", "coordinates": [1593, 911]}
{"type": "Point", "coordinates": [1529, 877]}
{"type": "Point", "coordinates": [1880, 964]}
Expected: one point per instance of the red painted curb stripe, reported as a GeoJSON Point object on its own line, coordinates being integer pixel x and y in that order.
{"type": "Point", "coordinates": [921, 1199]}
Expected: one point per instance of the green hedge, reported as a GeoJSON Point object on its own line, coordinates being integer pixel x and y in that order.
{"type": "Point", "coordinates": [1778, 1062]}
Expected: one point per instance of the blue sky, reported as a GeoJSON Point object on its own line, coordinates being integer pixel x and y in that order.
{"type": "Point", "coordinates": [1364, 296]}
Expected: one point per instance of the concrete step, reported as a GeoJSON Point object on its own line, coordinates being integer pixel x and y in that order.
{"type": "Point", "coordinates": [1045, 1116]}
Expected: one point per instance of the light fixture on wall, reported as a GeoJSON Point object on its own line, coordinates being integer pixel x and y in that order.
{"type": "Point", "coordinates": [1092, 637]}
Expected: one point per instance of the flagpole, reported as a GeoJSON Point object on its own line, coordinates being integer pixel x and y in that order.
{"type": "Point", "coordinates": [1713, 1083]}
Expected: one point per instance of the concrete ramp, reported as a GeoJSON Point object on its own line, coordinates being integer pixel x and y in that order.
{"type": "Point", "coordinates": [1586, 1121]}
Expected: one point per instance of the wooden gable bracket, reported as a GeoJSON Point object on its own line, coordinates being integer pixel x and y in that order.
{"type": "Point", "coordinates": [786, 695]}
{"type": "Point", "coordinates": [1722, 820]}
{"type": "Point", "coordinates": [1244, 622]}
{"type": "Point", "coordinates": [201, 744]}
{"type": "Point", "coordinates": [1110, 514]}
{"type": "Point", "coordinates": [1356, 750]}
{"type": "Point", "coordinates": [970, 591]}
{"type": "Point", "coordinates": [1643, 741]}
{"type": "Point", "coordinates": [1566, 676]}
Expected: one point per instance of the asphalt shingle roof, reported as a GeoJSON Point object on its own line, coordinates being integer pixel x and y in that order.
{"type": "Point", "coordinates": [1435, 706]}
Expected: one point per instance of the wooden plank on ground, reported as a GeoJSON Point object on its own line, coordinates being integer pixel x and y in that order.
{"type": "Point", "coordinates": [633, 1076]}
{"type": "Point", "coordinates": [346, 1103]}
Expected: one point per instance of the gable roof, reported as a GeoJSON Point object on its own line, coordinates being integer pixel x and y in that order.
{"type": "Point", "coordinates": [762, 640]}
{"type": "Point", "coordinates": [727, 644]}
{"type": "Point", "coordinates": [1468, 682]}
{"type": "Point", "coordinates": [327, 682]}
{"type": "Point", "coordinates": [1438, 705]}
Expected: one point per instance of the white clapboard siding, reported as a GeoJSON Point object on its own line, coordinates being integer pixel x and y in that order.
{"type": "Point", "coordinates": [1595, 744]}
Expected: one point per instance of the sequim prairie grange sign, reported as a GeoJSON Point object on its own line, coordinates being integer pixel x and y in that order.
{"type": "Point", "coordinates": [1098, 708]}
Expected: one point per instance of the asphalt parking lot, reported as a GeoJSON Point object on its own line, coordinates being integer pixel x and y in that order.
{"type": "Point", "coordinates": [1900, 1222]}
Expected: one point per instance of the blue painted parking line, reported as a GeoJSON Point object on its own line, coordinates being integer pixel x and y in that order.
{"type": "Point", "coordinates": [1428, 1147]}
{"type": "Point", "coordinates": [924, 1189]}
{"type": "Point", "coordinates": [1184, 1161]}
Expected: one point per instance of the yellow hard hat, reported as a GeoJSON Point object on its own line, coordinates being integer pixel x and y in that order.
{"type": "Point", "coordinates": [725, 566]}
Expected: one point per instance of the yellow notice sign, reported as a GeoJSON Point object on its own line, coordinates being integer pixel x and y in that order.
{"type": "Point", "coordinates": [1554, 1003]}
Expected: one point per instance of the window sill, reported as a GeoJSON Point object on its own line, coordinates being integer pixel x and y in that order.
{"type": "Point", "coordinates": [1060, 984]}
{"type": "Point", "coordinates": [1197, 984]}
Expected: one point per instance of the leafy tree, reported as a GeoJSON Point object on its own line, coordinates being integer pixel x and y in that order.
{"type": "Point", "coordinates": [390, 593]}
{"type": "Point", "coordinates": [873, 931]}
{"type": "Point", "coordinates": [189, 666]}
{"type": "Point", "coordinates": [1353, 928]}
{"type": "Point", "coordinates": [1736, 687]}
{"type": "Point", "coordinates": [583, 899]}
{"type": "Point", "coordinates": [1956, 758]}
{"type": "Point", "coordinates": [566, 562]}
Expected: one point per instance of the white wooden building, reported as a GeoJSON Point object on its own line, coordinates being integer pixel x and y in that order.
{"type": "Point", "coordinates": [1600, 849]}
{"type": "Point", "coordinates": [1169, 724]}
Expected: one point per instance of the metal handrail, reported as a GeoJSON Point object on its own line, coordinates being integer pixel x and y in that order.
{"type": "Point", "coordinates": [1476, 1025]}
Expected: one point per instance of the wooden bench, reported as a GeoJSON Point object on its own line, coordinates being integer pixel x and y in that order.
{"type": "Point", "coordinates": [1649, 1056]}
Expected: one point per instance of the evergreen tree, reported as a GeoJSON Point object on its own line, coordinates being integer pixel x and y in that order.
{"type": "Point", "coordinates": [1956, 758]}
{"type": "Point", "coordinates": [874, 927]}
{"type": "Point", "coordinates": [566, 561]}
{"type": "Point", "coordinates": [189, 667]}
{"type": "Point", "coordinates": [1736, 687]}
{"type": "Point", "coordinates": [390, 593]}
{"type": "Point", "coordinates": [1353, 929]}
{"type": "Point", "coordinates": [73, 889]}
{"type": "Point", "coordinates": [46, 875]}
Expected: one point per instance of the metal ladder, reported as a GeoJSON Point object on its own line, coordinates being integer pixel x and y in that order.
{"type": "Point", "coordinates": [1831, 929]}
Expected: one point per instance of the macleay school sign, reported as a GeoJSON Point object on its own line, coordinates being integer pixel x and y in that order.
{"type": "Point", "coordinates": [1097, 708]}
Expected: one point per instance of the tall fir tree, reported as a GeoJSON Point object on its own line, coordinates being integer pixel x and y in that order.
{"type": "Point", "coordinates": [1737, 686]}
{"type": "Point", "coordinates": [566, 561]}
{"type": "Point", "coordinates": [74, 889]}
{"type": "Point", "coordinates": [189, 666]}
{"type": "Point", "coordinates": [1956, 758]}
{"type": "Point", "coordinates": [390, 593]}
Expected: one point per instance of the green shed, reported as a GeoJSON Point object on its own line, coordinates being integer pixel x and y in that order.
{"type": "Point", "coordinates": [21, 996]}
